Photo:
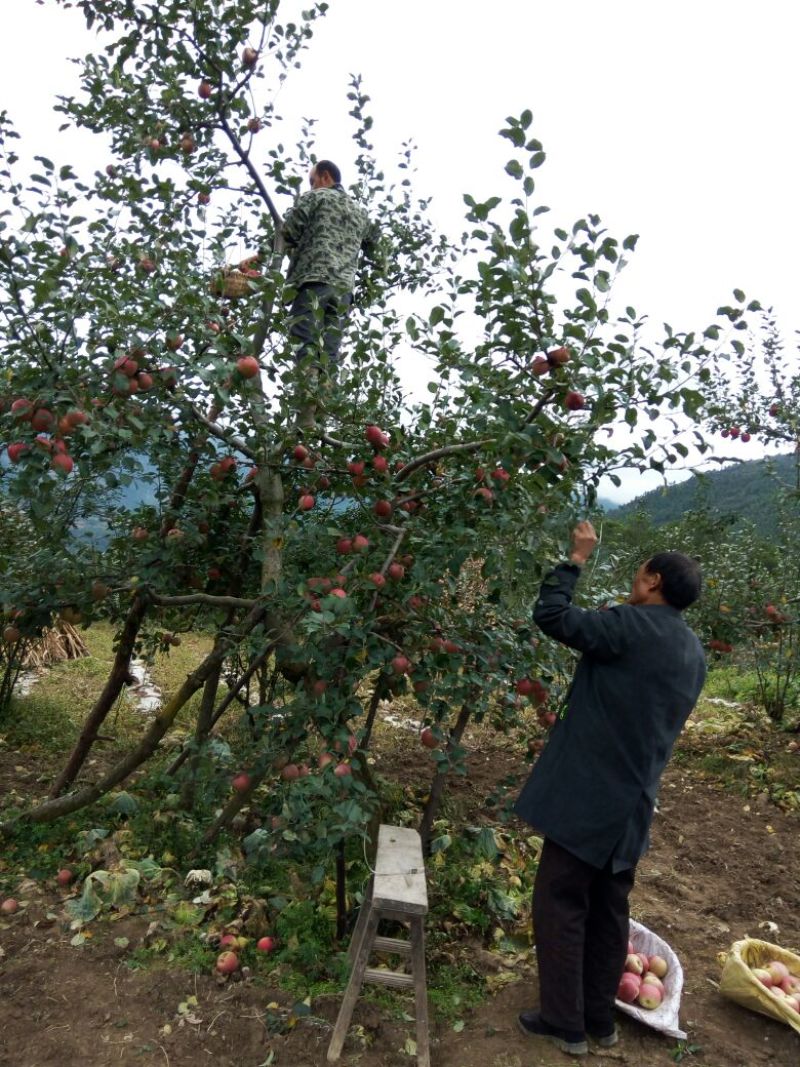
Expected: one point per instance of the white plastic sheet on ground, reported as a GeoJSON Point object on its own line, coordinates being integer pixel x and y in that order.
{"type": "Point", "coordinates": [664, 1018]}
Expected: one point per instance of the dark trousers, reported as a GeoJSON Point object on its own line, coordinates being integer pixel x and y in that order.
{"type": "Point", "coordinates": [580, 924]}
{"type": "Point", "coordinates": [317, 319]}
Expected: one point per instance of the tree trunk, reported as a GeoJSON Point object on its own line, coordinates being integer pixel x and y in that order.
{"type": "Point", "coordinates": [202, 730]}
{"type": "Point", "coordinates": [53, 809]}
{"type": "Point", "coordinates": [437, 786]}
{"type": "Point", "coordinates": [120, 672]}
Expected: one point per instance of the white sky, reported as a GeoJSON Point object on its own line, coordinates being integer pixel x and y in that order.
{"type": "Point", "coordinates": [677, 121]}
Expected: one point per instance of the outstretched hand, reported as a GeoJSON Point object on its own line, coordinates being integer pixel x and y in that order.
{"type": "Point", "coordinates": [584, 540]}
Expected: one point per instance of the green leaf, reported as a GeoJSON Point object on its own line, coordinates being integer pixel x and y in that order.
{"type": "Point", "coordinates": [514, 168]}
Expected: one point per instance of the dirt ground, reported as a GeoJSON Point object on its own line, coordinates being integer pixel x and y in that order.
{"type": "Point", "coordinates": [720, 866]}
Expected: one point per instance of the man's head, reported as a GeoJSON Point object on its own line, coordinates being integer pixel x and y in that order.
{"type": "Point", "coordinates": [324, 175]}
{"type": "Point", "coordinates": [667, 578]}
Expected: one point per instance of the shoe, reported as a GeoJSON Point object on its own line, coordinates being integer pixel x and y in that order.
{"type": "Point", "coordinates": [573, 1042]}
{"type": "Point", "coordinates": [603, 1032]}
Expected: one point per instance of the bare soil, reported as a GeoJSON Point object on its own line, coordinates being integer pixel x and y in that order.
{"type": "Point", "coordinates": [721, 864]}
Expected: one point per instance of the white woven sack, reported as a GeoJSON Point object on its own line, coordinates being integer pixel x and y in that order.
{"type": "Point", "coordinates": [664, 1018]}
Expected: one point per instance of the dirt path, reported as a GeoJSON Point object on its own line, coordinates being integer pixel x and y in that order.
{"type": "Point", "coordinates": [718, 868]}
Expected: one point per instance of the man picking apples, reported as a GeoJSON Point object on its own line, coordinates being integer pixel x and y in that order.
{"type": "Point", "coordinates": [592, 791]}
{"type": "Point", "coordinates": [324, 232]}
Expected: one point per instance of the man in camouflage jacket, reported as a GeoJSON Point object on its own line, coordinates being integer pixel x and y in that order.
{"type": "Point", "coordinates": [324, 233]}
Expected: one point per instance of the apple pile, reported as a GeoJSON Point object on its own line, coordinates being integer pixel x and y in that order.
{"type": "Point", "coordinates": [642, 979]}
{"type": "Point", "coordinates": [782, 984]}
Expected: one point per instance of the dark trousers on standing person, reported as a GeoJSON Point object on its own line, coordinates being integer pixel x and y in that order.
{"type": "Point", "coordinates": [580, 924]}
{"type": "Point", "coordinates": [317, 319]}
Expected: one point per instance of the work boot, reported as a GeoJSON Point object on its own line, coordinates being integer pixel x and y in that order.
{"type": "Point", "coordinates": [573, 1042]}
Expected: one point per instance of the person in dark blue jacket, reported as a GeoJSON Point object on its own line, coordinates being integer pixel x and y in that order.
{"type": "Point", "coordinates": [591, 793]}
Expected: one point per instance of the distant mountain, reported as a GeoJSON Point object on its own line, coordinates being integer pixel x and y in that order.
{"type": "Point", "coordinates": [747, 491]}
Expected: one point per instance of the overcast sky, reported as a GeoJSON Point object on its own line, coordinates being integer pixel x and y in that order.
{"type": "Point", "coordinates": [675, 121]}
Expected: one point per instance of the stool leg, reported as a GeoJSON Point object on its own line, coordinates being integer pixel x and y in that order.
{"type": "Point", "coordinates": [420, 990]}
{"type": "Point", "coordinates": [353, 986]}
{"type": "Point", "coordinates": [361, 921]}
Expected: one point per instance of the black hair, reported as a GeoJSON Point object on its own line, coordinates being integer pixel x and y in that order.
{"type": "Point", "coordinates": [681, 577]}
{"type": "Point", "coordinates": [324, 166]}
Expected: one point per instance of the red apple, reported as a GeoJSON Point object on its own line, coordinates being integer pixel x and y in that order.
{"type": "Point", "coordinates": [558, 356]}
{"type": "Point", "coordinates": [265, 944]}
{"type": "Point", "coordinates": [401, 665]}
{"type": "Point", "coordinates": [290, 771]}
{"type": "Point", "coordinates": [204, 89]}
{"type": "Point", "coordinates": [376, 437]}
{"type": "Point", "coordinates": [658, 965]}
{"type": "Point", "coordinates": [241, 783]}
{"type": "Point", "coordinates": [574, 401]}
{"type": "Point", "coordinates": [396, 571]}
{"type": "Point", "coordinates": [247, 366]}
{"type": "Point", "coordinates": [360, 543]}
{"type": "Point", "coordinates": [383, 509]}
{"type": "Point", "coordinates": [64, 876]}
{"type": "Point", "coordinates": [306, 502]}
{"type": "Point", "coordinates": [254, 125]}
{"type": "Point", "coordinates": [16, 450]}
{"type": "Point", "coordinates": [11, 635]}
{"type": "Point", "coordinates": [356, 467]}
{"type": "Point", "coordinates": [249, 57]}
{"type": "Point", "coordinates": [342, 770]}
{"type": "Point", "coordinates": [628, 989]}
{"type": "Point", "coordinates": [340, 593]}
{"type": "Point", "coordinates": [777, 971]}
{"type": "Point", "coordinates": [649, 996]}
{"type": "Point", "coordinates": [300, 453]}
{"type": "Point", "coordinates": [380, 464]}
{"type": "Point", "coordinates": [62, 463]}
{"type": "Point", "coordinates": [428, 738]}
{"type": "Point", "coordinates": [763, 976]}
{"type": "Point", "coordinates": [42, 419]}
{"type": "Point", "coordinates": [540, 365]}
{"type": "Point", "coordinates": [633, 963]}
{"type": "Point", "coordinates": [344, 546]}
{"type": "Point", "coordinates": [485, 494]}
{"type": "Point", "coordinates": [227, 963]}
{"type": "Point", "coordinates": [377, 579]}
{"type": "Point", "coordinates": [9, 907]}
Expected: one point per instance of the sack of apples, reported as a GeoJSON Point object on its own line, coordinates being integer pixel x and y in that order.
{"type": "Point", "coordinates": [764, 978]}
{"type": "Point", "coordinates": [651, 983]}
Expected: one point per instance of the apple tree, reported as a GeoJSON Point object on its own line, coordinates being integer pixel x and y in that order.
{"type": "Point", "coordinates": [339, 541]}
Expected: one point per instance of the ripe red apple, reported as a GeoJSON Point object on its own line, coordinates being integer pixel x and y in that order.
{"type": "Point", "coordinates": [265, 944]}
{"type": "Point", "coordinates": [745, 437]}
{"type": "Point", "coordinates": [300, 452]}
{"type": "Point", "coordinates": [628, 989]}
{"type": "Point", "coordinates": [145, 381]}
{"type": "Point", "coordinates": [342, 770]}
{"type": "Point", "coordinates": [16, 450]}
{"type": "Point", "coordinates": [11, 635]}
{"type": "Point", "coordinates": [62, 463]}
{"type": "Point", "coordinates": [383, 509]}
{"type": "Point", "coordinates": [777, 971]}
{"type": "Point", "coordinates": [652, 979]}
{"type": "Point", "coordinates": [574, 401]}
{"type": "Point", "coordinates": [227, 963]}
{"type": "Point", "coordinates": [306, 502]}
{"type": "Point", "coordinates": [734, 431]}
{"type": "Point", "coordinates": [377, 579]}
{"type": "Point", "coordinates": [763, 975]}
{"type": "Point", "coordinates": [64, 876]}
{"type": "Point", "coordinates": [111, 170]}
{"type": "Point", "coordinates": [249, 57]}
{"type": "Point", "coordinates": [174, 342]}
{"type": "Point", "coordinates": [649, 996]}
{"type": "Point", "coordinates": [241, 783]}
{"type": "Point", "coordinates": [146, 265]}
{"type": "Point", "coordinates": [428, 738]}
{"type": "Point", "coordinates": [540, 365]}
{"type": "Point", "coordinates": [485, 494]}
{"type": "Point", "coordinates": [401, 665]}
{"type": "Point", "coordinates": [360, 543]}
{"type": "Point", "coordinates": [524, 687]}
{"type": "Point", "coordinates": [9, 907]}
{"type": "Point", "coordinates": [380, 464]}
{"type": "Point", "coordinates": [340, 593]}
{"type": "Point", "coordinates": [775, 410]}
{"type": "Point", "coordinates": [42, 419]}
{"type": "Point", "coordinates": [558, 356]}
{"type": "Point", "coordinates": [140, 534]}
{"type": "Point", "coordinates": [356, 467]}
{"type": "Point", "coordinates": [500, 475]}
{"type": "Point", "coordinates": [376, 437]}
{"type": "Point", "coordinates": [254, 125]}
{"type": "Point", "coordinates": [204, 199]}
{"type": "Point", "coordinates": [324, 760]}
{"type": "Point", "coordinates": [396, 571]}
{"type": "Point", "coordinates": [633, 963]}
{"type": "Point", "coordinates": [290, 771]}
{"type": "Point", "coordinates": [247, 366]}
{"type": "Point", "coordinates": [204, 89]}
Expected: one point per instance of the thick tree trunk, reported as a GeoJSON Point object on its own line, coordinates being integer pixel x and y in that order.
{"type": "Point", "coordinates": [438, 783]}
{"type": "Point", "coordinates": [120, 672]}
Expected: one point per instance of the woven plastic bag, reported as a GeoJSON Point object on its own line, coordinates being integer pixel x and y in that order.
{"type": "Point", "coordinates": [664, 1018]}
{"type": "Point", "coordinates": [740, 984]}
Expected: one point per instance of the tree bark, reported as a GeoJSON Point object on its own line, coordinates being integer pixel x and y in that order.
{"type": "Point", "coordinates": [437, 786]}
{"type": "Point", "coordinates": [53, 809]}
{"type": "Point", "coordinates": [120, 672]}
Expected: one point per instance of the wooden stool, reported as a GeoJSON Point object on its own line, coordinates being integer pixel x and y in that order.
{"type": "Point", "coordinates": [396, 891]}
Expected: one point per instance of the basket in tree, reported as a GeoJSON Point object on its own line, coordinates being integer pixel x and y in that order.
{"type": "Point", "coordinates": [232, 283]}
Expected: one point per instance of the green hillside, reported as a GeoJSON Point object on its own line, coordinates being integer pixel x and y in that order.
{"type": "Point", "coordinates": [747, 491]}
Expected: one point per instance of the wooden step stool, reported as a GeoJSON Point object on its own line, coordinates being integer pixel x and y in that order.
{"type": "Point", "coordinates": [396, 891]}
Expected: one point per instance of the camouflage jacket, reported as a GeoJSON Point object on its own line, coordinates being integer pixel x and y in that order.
{"type": "Point", "coordinates": [324, 233]}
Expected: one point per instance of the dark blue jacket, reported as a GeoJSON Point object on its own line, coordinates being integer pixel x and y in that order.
{"type": "Point", "coordinates": [593, 788]}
